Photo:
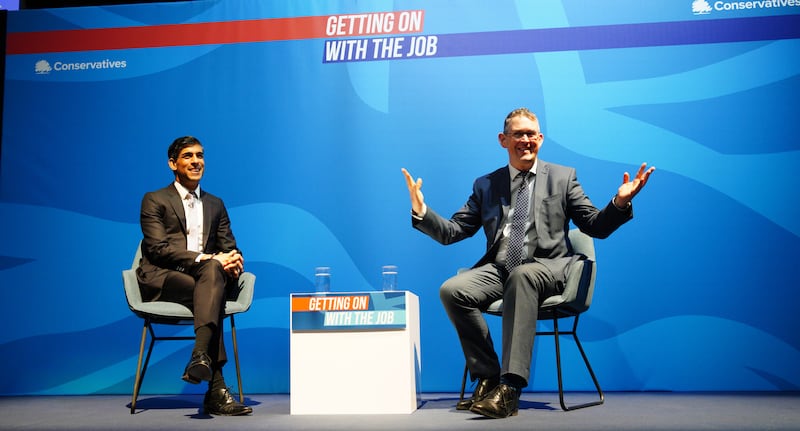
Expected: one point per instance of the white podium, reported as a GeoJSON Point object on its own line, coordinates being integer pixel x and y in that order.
{"type": "Point", "coordinates": [354, 353]}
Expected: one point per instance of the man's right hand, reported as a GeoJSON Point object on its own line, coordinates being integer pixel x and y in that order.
{"type": "Point", "coordinates": [232, 262]}
{"type": "Point", "coordinates": [415, 191]}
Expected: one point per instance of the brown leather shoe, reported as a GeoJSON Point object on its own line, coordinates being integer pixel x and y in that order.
{"type": "Point", "coordinates": [483, 387]}
{"type": "Point", "coordinates": [501, 402]}
{"type": "Point", "coordinates": [222, 403]}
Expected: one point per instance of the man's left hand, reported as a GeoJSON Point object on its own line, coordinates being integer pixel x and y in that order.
{"type": "Point", "coordinates": [232, 262]}
{"type": "Point", "coordinates": [630, 188]}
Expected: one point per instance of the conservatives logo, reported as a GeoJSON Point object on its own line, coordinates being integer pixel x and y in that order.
{"type": "Point", "coordinates": [702, 7]}
{"type": "Point", "coordinates": [43, 67]}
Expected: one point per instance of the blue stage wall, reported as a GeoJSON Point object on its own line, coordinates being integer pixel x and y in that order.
{"type": "Point", "coordinates": [306, 123]}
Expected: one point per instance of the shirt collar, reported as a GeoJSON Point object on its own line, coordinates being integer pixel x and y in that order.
{"type": "Point", "coordinates": [182, 191]}
{"type": "Point", "coordinates": [514, 171]}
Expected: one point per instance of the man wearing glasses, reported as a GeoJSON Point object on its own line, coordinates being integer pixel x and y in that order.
{"type": "Point", "coordinates": [525, 209]}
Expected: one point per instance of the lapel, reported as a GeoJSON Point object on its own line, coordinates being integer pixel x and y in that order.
{"type": "Point", "coordinates": [539, 189]}
{"type": "Point", "coordinates": [207, 211]}
{"type": "Point", "coordinates": [176, 202]}
{"type": "Point", "coordinates": [503, 190]}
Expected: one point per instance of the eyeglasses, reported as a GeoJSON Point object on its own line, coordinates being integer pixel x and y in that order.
{"type": "Point", "coordinates": [519, 135]}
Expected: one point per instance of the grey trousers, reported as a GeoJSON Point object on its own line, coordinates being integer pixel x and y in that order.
{"type": "Point", "coordinates": [468, 294]}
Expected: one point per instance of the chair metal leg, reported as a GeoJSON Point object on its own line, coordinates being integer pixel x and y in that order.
{"type": "Point", "coordinates": [556, 336]}
{"type": "Point", "coordinates": [463, 382]}
{"type": "Point", "coordinates": [141, 369]}
{"type": "Point", "coordinates": [137, 382]}
{"type": "Point", "coordinates": [574, 334]}
{"type": "Point", "coordinates": [236, 359]}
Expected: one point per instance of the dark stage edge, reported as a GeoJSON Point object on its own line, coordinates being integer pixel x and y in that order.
{"type": "Point", "coordinates": [538, 411]}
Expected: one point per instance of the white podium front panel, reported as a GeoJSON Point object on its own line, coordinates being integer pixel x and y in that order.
{"type": "Point", "coordinates": [354, 353]}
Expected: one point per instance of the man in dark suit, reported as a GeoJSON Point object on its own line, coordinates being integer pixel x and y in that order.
{"type": "Point", "coordinates": [525, 209]}
{"type": "Point", "coordinates": [189, 256]}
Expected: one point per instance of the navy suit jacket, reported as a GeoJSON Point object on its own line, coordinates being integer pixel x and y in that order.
{"type": "Point", "coordinates": [163, 224]}
{"type": "Point", "coordinates": [558, 198]}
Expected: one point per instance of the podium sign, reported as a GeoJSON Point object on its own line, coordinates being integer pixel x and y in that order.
{"type": "Point", "coordinates": [349, 311]}
{"type": "Point", "coordinates": [354, 353]}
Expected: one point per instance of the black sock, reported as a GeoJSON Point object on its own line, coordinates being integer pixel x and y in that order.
{"type": "Point", "coordinates": [202, 336]}
{"type": "Point", "coordinates": [217, 382]}
{"type": "Point", "coordinates": [513, 380]}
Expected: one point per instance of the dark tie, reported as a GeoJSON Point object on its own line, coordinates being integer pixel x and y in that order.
{"type": "Point", "coordinates": [516, 238]}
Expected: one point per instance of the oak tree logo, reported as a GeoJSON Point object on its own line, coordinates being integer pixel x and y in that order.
{"type": "Point", "coordinates": [701, 7]}
{"type": "Point", "coordinates": [42, 67]}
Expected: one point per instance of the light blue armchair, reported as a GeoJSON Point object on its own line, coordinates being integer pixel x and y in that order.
{"type": "Point", "coordinates": [170, 313]}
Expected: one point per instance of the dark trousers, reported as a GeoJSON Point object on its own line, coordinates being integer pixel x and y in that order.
{"type": "Point", "coordinates": [468, 294]}
{"type": "Point", "coordinates": [203, 290]}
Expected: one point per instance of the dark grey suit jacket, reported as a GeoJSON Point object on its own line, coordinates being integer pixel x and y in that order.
{"type": "Point", "coordinates": [557, 199]}
{"type": "Point", "coordinates": [164, 229]}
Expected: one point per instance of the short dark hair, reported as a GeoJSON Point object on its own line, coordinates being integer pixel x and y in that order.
{"type": "Point", "coordinates": [179, 144]}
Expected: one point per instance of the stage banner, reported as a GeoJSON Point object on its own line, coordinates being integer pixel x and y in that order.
{"type": "Point", "coordinates": [308, 110]}
{"type": "Point", "coordinates": [348, 311]}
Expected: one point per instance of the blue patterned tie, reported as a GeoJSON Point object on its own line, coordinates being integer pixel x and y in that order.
{"type": "Point", "coordinates": [516, 238]}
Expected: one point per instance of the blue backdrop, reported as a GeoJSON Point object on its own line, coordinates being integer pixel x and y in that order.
{"type": "Point", "coordinates": [306, 122]}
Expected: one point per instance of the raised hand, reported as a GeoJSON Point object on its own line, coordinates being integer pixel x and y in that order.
{"type": "Point", "coordinates": [415, 191]}
{"type": "Point", "coordinates": [630, 188]}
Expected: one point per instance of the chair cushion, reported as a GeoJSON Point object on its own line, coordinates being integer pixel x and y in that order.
{"type": "Point", "coordinates": [165, 309]}
{"type": "Point", "coordinates": [173, 311]}
{"type": "Point", "coordinates": [497, 306]}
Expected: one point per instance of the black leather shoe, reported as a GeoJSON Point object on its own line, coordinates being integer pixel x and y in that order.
{"type": "Point", "coordinates": [501, 402]}
{"type": "Point", "coordinates": [198, 369]}
{"type": "Point", "coordinates": [483, 387]}
{"type": "Point", "coordinates": [222, 403]}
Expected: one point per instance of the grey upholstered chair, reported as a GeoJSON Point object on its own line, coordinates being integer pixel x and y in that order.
{"type": "Point", "coordinates": [576, 299]}
{"type": "Point", "coordinates": [170, 313]}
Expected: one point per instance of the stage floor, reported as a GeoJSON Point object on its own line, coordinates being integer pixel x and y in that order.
{"type": "Point", "coordinates": [538, 411]}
